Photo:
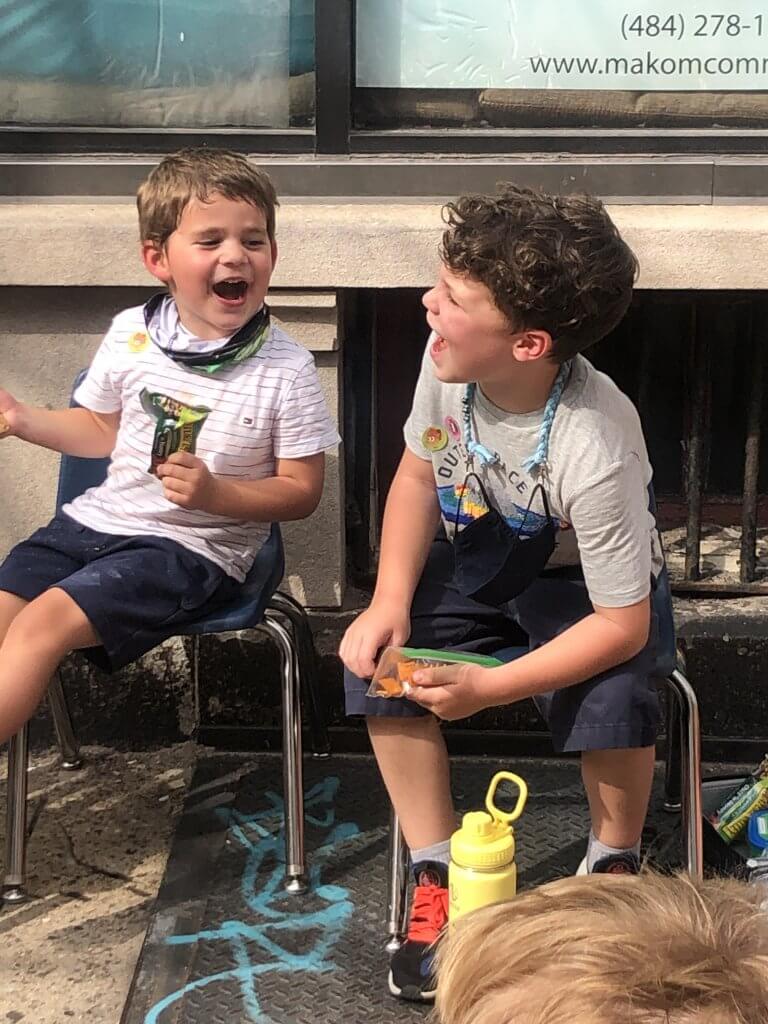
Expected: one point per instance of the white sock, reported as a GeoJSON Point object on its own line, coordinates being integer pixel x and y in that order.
{"type": "Point", "coordinates": [597, 850]}
{"type": "Point", "coordinates": [438, 852]}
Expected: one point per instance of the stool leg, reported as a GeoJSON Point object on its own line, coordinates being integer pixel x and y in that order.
{"type": "Point", "coordinates": [691, 762]}
{"type": "Point", "coordinates": [70, 749]}
{"type": "Point", "coordinates": [16, 818]}
{"type": "Point", "coordinates": [293, 783]}
{"type": "Point", "coordinates": [673, 768]}
{"type": "Point", "coordinates": [397, 884]}
{"type": "Point", "coordinates": [297, 616]}
{"type": "Point", "coordinates": [195, 676]}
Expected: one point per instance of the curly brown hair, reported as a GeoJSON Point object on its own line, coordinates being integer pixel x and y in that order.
{"type": "Point", "coordinates": [556, 263]}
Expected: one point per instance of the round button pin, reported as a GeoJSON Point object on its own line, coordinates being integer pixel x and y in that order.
{"type": "Point", "coordinates": [434, 439]}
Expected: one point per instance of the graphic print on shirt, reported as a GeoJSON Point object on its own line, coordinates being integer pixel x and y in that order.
{"type": "Point", "coordinates": [138, 342]}
{"type": "Point", "coordinates": [510, 489]}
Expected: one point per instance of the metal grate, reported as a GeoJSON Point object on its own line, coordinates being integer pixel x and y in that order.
{"type": "Point", "coordinates": [712, 518]}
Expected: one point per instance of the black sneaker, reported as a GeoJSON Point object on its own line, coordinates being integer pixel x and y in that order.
{"type": "Point", "coordinates": [410, 974]}
{"type": "Point", "coordinates": [617, 864]}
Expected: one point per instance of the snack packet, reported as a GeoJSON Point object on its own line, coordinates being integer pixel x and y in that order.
{"type": "Point", "coordinates": [177, 426]}
{"type": "Point", "coordinates": [732, 818]}
{"type": "Point", "coordinates": [394, 672]}
{"type": "Point", "coordinates": [4, 428]}
{"type": "Point", "coordinates": [733, 824]}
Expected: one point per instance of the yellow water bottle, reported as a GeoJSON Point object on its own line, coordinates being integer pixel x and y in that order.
{"type": "Point", "coordinates": [482, 869]}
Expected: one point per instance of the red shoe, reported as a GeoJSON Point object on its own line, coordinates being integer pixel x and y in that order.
{"type": "Point", "coordinates": [410, 975]}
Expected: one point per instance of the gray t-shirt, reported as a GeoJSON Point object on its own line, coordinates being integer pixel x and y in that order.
{"type": "Point", "coordinates": [596, 478]}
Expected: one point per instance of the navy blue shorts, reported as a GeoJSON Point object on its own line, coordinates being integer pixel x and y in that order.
{"type": "Point", "coordinates": [135, 591]}
{"type": "Point", "coordinates": [616, 709]}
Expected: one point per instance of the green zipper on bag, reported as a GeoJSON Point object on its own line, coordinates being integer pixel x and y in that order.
{"type": "Point", "coordinates": [424, 653]}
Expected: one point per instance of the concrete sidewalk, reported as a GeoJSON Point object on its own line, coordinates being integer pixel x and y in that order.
{"type": "Point", "coordinates": [95, 860]}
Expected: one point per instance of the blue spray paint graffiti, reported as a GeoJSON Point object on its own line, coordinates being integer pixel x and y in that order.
{"type": "Point", "coordinates": [266, 901]}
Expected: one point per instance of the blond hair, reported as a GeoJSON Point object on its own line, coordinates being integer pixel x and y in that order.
{"type": "Point", "coordinates": [197, 174]}
{"type": "Point", "coordinates": [610, 949]}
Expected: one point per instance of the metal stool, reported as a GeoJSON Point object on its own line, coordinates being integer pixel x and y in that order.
{"type": "Point", "coordinates": [285, 621]}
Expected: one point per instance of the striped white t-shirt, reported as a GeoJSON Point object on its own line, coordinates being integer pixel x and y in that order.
{"type": "Point", "coordinates": [267, 407]}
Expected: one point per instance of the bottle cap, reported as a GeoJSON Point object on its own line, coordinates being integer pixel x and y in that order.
{"type": "Point", "coordinates": [486, 840]}
{"type": "Point", "coordinates": [482, 843]}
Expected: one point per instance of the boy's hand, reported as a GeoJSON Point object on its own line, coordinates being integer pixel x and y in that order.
{"type": "Point", "coordinates": [384, 623]}
{"type": "Point", "coordinates": [10, 413]}
{"type": "Point", "coordinates": [187, 481]}
{"type": "Point", "coordinates": [451, 691]}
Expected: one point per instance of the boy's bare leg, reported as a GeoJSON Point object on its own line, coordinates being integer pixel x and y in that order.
{"type": "Point", "coordinates": [10, 606]}
{"type": "Point", "coordinates": [618, 785]}
{"type": "Point", "coordinates": [413, 761]}
{"type": "Point", "coordinates": [40, 634]}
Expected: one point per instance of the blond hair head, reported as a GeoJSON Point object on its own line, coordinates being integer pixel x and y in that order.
{"type": "Point", "coordinates": [198, 174]}
{"type": "Point", "coordinates": [610, 949]}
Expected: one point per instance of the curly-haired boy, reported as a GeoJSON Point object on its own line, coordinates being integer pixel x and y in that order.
{"type": "Point", "coordinates": [649, 949]}
{"type": "Point", "coordinates": [536, 466]}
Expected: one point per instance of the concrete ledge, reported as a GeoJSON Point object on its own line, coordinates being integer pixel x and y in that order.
{"type": "Point", "coordinates": [309, 317]}
{"type": "Point", "coordinates": [346, 244]}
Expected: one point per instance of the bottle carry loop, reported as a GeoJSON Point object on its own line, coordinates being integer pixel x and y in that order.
{"type": "Point", "coordinates": [495, 812]}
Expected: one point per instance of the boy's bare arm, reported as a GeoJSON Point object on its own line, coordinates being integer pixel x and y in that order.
{"type": "Point", "coordinates": [70, 431]}
{"type": "Point", "coordinates": [411, 516]}
{"type": "Point", "coordinates": [595, 644]}
{"type": "Point", "coordinates": [292, 493]}
{"type": "Point", "coordinates": [410, 520]}
{"type": "Point", "coordinates": [598, 642]}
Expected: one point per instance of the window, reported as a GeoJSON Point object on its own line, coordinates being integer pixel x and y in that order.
{"type": "Point", "coordinates": [585, 81]}
{"type": "Point", "coordinates": [157, 64]}
{"type": "Point", "coordinates": [585, 64]}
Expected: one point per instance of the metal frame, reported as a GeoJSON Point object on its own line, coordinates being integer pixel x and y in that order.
{"type": "Point", "coordinates": [334, 69]}
{"type": "Point", "coordinates": [592, 141]}
{"type": "Point", "coordinates": [688, 751]}
{"type": "Point", "coordinates": [48, 141]}
{"type": "Point", "coordinates": [686, 754]}
{"type": "Point", "coordinates": [335, 134]}
{"type": "Point", "coordinates": [13, 888]}
{"type": "Point", "coordinates": [415, 178]}
{"type": "Point", "coordinates": [295, 645]}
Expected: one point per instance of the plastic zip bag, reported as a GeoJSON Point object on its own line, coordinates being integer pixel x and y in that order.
{"type": "Point", "coordinates": [394, 672]}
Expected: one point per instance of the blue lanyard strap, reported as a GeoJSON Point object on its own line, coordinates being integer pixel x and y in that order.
{"type": "Point", "coordinates": [484, 455]}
